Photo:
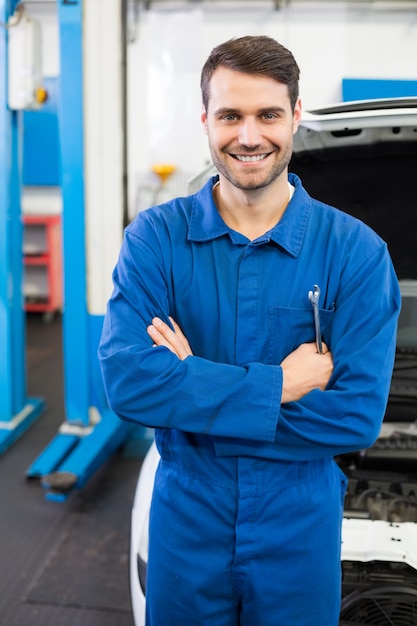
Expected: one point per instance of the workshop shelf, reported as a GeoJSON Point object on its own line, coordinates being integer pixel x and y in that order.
{"type": "Point", "coordinates": [42, 256]}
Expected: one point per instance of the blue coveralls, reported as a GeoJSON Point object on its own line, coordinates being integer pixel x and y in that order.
{"type": "Point", "coordinates": [248, 502]}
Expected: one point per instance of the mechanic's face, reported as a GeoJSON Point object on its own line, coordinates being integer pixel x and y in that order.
{"type": "Point", "coordinates": [250, 127]}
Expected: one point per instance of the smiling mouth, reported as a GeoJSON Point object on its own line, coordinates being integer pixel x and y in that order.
{"type": "Point", "coordinates": [250, 159]}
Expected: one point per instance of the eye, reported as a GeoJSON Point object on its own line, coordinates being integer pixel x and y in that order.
{"type": "Point", "coordinates": [269, 116]}
{"type": "Point", "coordinates": [230, 117]}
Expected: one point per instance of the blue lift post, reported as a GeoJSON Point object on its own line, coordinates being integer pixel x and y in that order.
{"type": "Point", "coordinates": [91, 432]}
{"type": "Point", "coordinates": [17, 412]}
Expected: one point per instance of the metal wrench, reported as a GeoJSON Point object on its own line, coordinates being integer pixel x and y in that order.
{"type": "Point", "coordinates": [314, 297]}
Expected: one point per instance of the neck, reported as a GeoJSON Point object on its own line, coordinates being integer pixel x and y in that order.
{"type": "Point", "coordinates": [252, 213]}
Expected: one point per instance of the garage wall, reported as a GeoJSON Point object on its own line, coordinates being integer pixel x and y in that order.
{"type": "Point", "coordinates": [329, 41]}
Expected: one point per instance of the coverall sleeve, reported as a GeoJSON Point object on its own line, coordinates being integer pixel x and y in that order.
{"type": "Point", "coordinates": [151, 386]}
{"type": "Point", "coordinates": [347, 416]}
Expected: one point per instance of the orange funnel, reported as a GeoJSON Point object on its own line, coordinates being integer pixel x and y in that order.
{"type": "Point", "coordinates": [164, 171]}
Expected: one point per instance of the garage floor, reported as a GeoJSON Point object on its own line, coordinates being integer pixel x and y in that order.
{"type": "Point", "coordinates": [62, 564]}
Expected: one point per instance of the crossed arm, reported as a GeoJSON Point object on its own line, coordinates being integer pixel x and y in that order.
{"type": "Point", "coordinates": [303, 370]}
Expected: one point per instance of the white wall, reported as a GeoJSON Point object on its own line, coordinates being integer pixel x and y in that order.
{"type": "Point", "coordinates": [329, 41]}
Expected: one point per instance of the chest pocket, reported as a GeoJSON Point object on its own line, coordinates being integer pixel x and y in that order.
{"type": "Point", "coordinates": [288, 328]}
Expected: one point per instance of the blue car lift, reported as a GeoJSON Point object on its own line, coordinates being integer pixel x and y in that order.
{"type": "Point", "coordinates": [91, 433]}
{"type": "Point", "coordinates": [17, 412]}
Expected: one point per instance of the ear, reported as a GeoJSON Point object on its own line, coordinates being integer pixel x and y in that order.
{"type": "Point", "coordinates": [297, 116]}
{"type": "Point", "coordinates": [204, 118]}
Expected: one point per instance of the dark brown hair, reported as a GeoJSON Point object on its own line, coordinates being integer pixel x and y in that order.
{"type": "Point", "coordinates": [259, 55]}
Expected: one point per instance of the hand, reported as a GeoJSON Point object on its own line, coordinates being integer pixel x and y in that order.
{"type": "Point", "coordinates": [175, 340]}
{"type": "Point", "coordinates": [304, 370]}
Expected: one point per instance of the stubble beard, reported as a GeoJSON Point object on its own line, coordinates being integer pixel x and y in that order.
{"type": "Point", "coordinates": [246, 182]}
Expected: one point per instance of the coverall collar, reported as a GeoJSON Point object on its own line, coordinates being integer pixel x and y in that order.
{"type": "Point", "coordinates": [206, 223]}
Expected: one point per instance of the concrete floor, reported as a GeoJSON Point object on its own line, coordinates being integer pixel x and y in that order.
{"type": "Point", "coordinates": [62, 564]}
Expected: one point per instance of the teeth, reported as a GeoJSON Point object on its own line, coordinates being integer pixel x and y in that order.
{"type": "Point", "coordinates": [258, 157]}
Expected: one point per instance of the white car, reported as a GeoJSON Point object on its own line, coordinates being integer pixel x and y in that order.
{"type": "Point", "coordinates": [362, 158]}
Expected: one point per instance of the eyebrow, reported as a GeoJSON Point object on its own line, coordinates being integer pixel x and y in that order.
{"type": "Point", "coordinates": [229, 111]}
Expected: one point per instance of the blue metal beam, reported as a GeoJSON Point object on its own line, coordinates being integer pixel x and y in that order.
{"type": "Point", "coordinates": [6, 139]}
{"type": "Point", "coordinates": [16, 412]}
{"type": "Point", "coordinates": [82, 444]}
{"type": "Point", "coordinates": [75, 323]}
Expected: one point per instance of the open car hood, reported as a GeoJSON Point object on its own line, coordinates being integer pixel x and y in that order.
{"type": "Point", "coordinates": [358, 122]}
{"type": "Point", "coordinates": [361, 157]}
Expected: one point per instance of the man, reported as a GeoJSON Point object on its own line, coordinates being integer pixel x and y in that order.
{"type": "Point", "coordinates": [210, 339]}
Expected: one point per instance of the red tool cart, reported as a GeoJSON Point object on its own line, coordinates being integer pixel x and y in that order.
{"type": "Point", "coordinates": [42, 263]}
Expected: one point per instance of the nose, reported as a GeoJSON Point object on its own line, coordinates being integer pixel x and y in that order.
{"type": "Point", "coordinates": [249, 134]}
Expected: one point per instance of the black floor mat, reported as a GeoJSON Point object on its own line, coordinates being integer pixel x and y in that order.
{"type": "Point", "coordinates": [88, 567]}
{"type": "Point", "coordinates": [62, 564]}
